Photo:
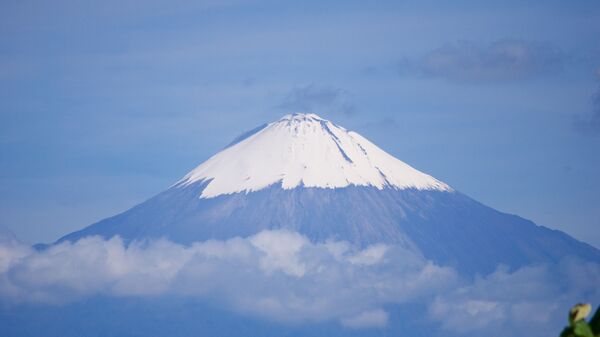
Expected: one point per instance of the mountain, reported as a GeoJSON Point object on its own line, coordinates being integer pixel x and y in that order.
{"type": "Point", "coordinates": [307, 174]}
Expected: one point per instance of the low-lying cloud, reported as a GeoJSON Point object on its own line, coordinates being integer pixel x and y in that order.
{"type": "Point", "coordinates": [283, 276]}
{"type": "Point", "coordinates": [469, 61]}
{"type": "Point", "coordinates": [277, 275]}
{"type": "Point", "coordinates": [531, 298]}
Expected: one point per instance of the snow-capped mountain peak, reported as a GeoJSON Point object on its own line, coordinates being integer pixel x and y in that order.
{"type": "Point", "coordinates": [304, 150]}
{"type": "Point", "coordinates": [386, 201]}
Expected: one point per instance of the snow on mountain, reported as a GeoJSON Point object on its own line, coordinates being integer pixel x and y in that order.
{"type": "Point", "coordinates": [307, 175]}
{"type": "Point", "coordinates": [305, 150]}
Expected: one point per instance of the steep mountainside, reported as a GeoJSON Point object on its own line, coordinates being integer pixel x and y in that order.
{"type": "Point", "coordinates": [306, 174]}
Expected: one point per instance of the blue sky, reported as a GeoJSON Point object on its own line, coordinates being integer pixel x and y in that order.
{"type": "Point", "coordinates": [103, 105]}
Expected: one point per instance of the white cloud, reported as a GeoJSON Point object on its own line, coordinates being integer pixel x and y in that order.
{"type": "Point", "coordinates": [367, 319]}
{"type": "Point", "coordinates": [281, 251]}
{"type": "Point", "coordinates": [282, 276]}
{"type": "Point", "coordinates": [370, 256]}
{"type": "Point", "coordinates": [529, 298]}
{"type": "Point", "coordinates": [502, 60]}
{"type": "Point", "coordinates": [278, 275]}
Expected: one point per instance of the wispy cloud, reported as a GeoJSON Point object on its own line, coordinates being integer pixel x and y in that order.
{"type": "Point", "coordinates": [590, 123]}
{"type": "Point", "coordinates": [470, 61]}
{"type": "Point", "coordinates": [318, 99]}
{"type": "Point", "coordinates": [531, 297]}
{"type": "Point", "coordinates": [373, 318]}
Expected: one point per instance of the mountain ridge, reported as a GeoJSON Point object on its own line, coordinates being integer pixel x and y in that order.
{"type": "Point", "coordinates": [425, 216]}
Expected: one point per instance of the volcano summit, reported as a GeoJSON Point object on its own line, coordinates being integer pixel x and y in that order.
{"type": "Point", "coordinates": [306, 174]}
{"type": "Point", "coordinates": [304, 150]}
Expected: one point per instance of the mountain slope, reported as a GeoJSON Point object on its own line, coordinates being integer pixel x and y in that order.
{"type": "Point", "coordinates": [306, 174]}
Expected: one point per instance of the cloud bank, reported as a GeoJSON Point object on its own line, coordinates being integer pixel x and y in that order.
{"type": "Point", "coordinates": [278, 275]}
{"type": "Point", "coordinates": [282, 276]}
{"type": "Point", "coordinates": [535, 297]}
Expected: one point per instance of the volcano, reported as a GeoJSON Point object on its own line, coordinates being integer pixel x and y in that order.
{"type": "Point", "coordinates": [306, 174]}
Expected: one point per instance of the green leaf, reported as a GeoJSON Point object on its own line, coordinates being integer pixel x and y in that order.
{"type": "Point", "coordinates": [582, 329]}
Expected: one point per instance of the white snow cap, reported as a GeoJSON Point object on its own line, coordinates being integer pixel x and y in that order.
{"type": "Point", "coordinates": [305, 150]}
